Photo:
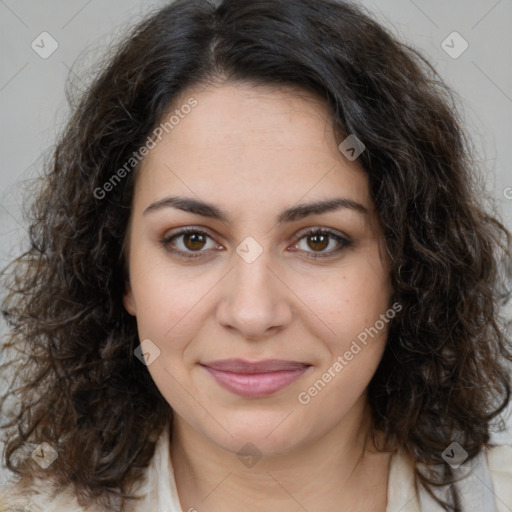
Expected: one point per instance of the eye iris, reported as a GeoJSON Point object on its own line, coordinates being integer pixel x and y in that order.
{"type": "Point", "coordinates": [318, 241]}
{"type": "Point", "coordinates": [194, 241]}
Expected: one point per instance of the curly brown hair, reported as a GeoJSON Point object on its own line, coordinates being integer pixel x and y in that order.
{"type": "Point", "coordinates": [74, 380]}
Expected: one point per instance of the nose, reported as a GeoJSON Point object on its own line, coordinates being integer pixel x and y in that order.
{"type": "Point", "coordinates": [255, 300]}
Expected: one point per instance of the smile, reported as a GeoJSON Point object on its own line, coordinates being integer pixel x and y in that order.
{"type": "Point", "coordinates": [254, 380]}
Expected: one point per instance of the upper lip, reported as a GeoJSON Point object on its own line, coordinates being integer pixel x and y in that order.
{"type": "Point", "coordinates": [267, 366]}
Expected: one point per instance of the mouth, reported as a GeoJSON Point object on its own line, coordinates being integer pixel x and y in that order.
{"type": "Point", "coordinates": [255, 379]}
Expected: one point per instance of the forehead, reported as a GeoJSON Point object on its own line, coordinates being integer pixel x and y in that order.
{"type": "Point", "coordinates": [243, 142]}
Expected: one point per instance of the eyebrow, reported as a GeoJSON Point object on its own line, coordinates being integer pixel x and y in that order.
{"type": "Point", "coordinates": [205, 209]}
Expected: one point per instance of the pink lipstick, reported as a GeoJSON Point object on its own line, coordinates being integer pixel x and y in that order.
{"type": "Point", "coordinates": [255, 379]}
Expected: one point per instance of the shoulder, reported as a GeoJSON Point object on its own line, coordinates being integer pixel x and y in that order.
{"type": "Point", "coordinates": [44, 495]}
{"type": "Point", "coordinates": [499, 459]}
{"type": "Point", "coordinates": [40, 496]}
{"type": "Point", "coordinates": [487, 487]}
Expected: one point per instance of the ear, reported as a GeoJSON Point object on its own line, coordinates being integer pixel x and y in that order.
{"type": "Point", "coordinates": [128, 299]}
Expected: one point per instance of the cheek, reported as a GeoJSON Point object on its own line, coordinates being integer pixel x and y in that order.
{"type": "Point", "coordinates": [172, 306]}
{"type": "Point", "coordinates": [169, 313]}
{"type": "Point", "coordinates": [163, 294]}
{"type": "Point", "coordinates": [345, 304]}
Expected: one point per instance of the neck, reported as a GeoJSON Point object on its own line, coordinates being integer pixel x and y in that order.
{"type": "Point", "coordinates": [340, 467]}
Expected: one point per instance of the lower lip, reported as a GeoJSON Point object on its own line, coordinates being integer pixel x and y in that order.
{"type": "Point", "coordinates": [254, 385]}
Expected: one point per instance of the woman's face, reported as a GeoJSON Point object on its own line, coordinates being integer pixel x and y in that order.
{"type": "Point", "coordinates": [247, 284]}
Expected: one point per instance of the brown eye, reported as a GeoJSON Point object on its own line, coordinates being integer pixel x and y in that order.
{"type": "Point", "coordinates": [315, 242]}
{"type": "Point", "coordinates": [194, 241]}
{"type": "Point", "coordinates": [318, 242]}
{"type": "Point", "coordinates": [189, 243]}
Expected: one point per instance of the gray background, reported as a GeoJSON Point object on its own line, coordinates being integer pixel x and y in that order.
{"type": "Point", "coordinates": [34, 107]}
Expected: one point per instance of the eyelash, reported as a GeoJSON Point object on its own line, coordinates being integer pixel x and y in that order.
{"type": "Point", "coordinates": [190, 255]}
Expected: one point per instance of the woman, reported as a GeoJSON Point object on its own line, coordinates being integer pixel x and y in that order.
{"type": "Point", "coordinates": [260, 278]}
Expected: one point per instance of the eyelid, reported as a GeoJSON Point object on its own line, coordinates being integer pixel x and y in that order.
{"type": "Point", "coordinates": [343, 240]}
{"type": "Point", "coordinates": [166, 240]}
{"type": "Point", "coordinates": [322, 229]}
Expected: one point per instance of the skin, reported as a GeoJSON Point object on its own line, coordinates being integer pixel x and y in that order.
{"type": "Point", "coordinates": [253, 152]}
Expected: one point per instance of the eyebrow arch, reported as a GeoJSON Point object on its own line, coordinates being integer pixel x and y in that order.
{"type": "Point", "coordinates": [205, 209]}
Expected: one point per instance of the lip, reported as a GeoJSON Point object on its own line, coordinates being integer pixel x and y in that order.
{"type": "Point", "coordinates": [255, 379]}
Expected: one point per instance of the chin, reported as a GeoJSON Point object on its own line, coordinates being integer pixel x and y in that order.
{"type": "Point", "coordinates": [272, 433]}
